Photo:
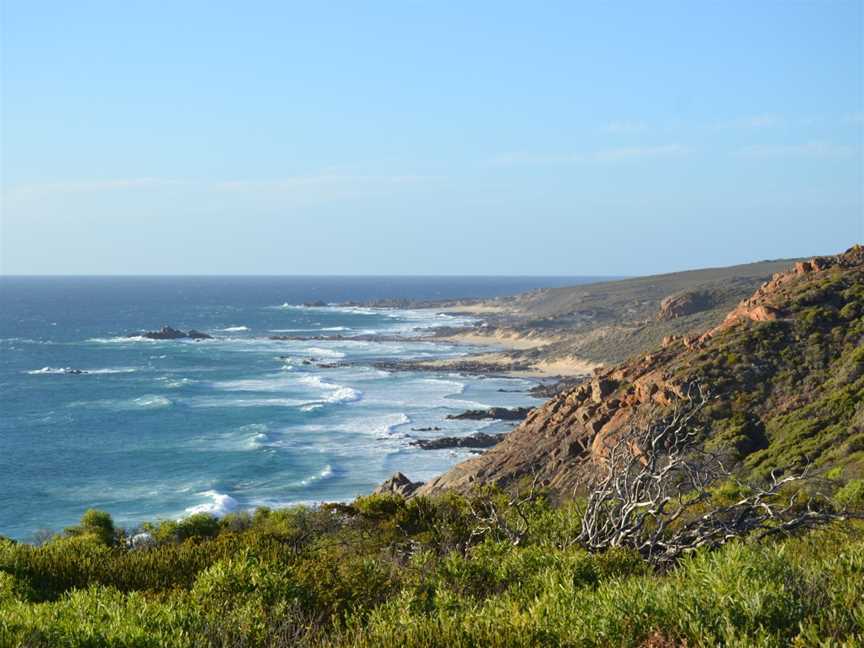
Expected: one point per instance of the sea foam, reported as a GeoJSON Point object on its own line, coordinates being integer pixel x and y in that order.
{"type": "Point", "coordinates": [81, 372]}
{"type": "Point", "coordinates": [219, 505]}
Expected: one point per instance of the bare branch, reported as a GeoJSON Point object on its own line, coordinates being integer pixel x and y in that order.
{"type": "Point", "coordinates": [652, 487]}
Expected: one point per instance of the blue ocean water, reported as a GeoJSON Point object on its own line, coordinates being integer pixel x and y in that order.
{"type": "Point", "coordinates": [162, 429]}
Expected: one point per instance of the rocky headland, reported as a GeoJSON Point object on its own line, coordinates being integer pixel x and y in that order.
{"type": "Point", "coordinates": [784, 368]}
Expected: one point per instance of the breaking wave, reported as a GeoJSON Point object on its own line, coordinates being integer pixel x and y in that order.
{"type": "Point", "coordinates": [325, 473]}
{"type": "Point", "coordinates": [219, 505]}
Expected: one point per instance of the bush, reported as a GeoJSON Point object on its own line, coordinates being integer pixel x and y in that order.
{"type": "Point", "coordinates": [379, 573]}
{"type": "Point", "coordinates": [852, 494]}
{"type": "Point", "coordinates": [97, 524]}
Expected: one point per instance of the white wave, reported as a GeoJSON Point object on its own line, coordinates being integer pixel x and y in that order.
{"type": "Point", "coordinates": [245, 402]}
{"type": "Point", "coordinates": [147, 402]}
{"type": "Point", "coordinates": [277, 383]}
{"type": "Point", "coordinates": [70, 370]}
{"type": "Point", "coordinates": [336, 328]}
{"type": "Point", "coordinates": [122, 339]}
{"type": "Point", "coordinates": [327, 353]}
{"type": "Point", "coordinates": [233, 329]}
{"type": "Point", "coordinates": [379, 426]}
{"type": "Point", "coordinates": [456, 386]}
{"type": "Point", "coordinates": [258, 441]}
{"type": "Point", "coordinates": [151, 402]}
{"type": "Point", "coordinates": [176, 384]}
{"type": "Point", "coordinates": [20, 340]}
{"type": "Point", "coordinates": [219, 505]}
{"type": "Point", "coordinates": [311, 407]}
{"type": "Point", "coordinates": [50, 370]}
{"type": "Point", "coordinates": [325, 473]}
{"type": "Point", "coordinates": [255, 436]}
{"type": "Point", "coordinates": [344, 395]}
{"type": "Point", "coordinates": [337, 393]}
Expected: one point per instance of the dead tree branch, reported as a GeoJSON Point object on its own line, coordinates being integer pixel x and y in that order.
{"type": "Point", "coordinates": [652, 492]}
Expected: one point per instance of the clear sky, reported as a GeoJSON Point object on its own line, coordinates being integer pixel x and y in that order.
{"type": "Point", "coordinates": [427, 137]}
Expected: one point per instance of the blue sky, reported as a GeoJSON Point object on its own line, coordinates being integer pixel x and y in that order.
{"type": "Point", "coordinates": [427, 137]}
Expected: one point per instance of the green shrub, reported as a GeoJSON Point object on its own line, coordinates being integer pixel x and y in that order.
{"type": "Point", "coordinates": [852, 494]}
{"type": "Point", "coordinates": [97, 524]}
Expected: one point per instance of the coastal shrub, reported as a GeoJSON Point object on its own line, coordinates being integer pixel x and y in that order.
{"type": "Point", "coordinates": [389, 572]}
{"type": "Point", "coordinates": [96, 524]}
{"type": "Point", "coordinates": [851, 494]}
{"type": "Point", "coordinates": [199, 525]}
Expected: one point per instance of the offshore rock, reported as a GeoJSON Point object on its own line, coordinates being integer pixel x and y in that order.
{"type": "Point", "coordinates": [477, 440]}
{"type": "Point", "coordinates": [168, 333]}
{"type": "Point", "coordinates": [497, 413]}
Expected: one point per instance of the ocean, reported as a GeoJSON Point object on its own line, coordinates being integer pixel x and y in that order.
{"type": "Point", "coordinates": [163, 429]}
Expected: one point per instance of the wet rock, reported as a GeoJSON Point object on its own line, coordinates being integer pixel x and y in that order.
{"type": "Point", "coordinates": [477, 440]}
{"type": "Point", "coordinates": [169, 333]}
{"type": "Point", "coordinates": [497, 413]}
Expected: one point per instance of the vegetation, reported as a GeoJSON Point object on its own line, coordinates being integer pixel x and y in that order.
{"type": "Point", "coordinates": [791, 391]}
{"type": "Point", "coordinates": [611, 321]}
{"type": "Point", "coordinates": [384, 571]}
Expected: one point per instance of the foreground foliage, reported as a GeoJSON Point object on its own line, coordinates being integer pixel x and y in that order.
{"type": "Point", "coordinates": [386, 572]}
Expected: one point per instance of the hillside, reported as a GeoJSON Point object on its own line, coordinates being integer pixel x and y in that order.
{"type": "Point", "coordinates": [785, 369]}
{"type": "Point", "coordinates": [569, 330]}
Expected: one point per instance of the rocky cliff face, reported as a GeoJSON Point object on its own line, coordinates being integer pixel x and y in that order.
{"type": "Point", "coordinates": [785, 368]}
{"type": "Point", "coordinates": [683, 304]}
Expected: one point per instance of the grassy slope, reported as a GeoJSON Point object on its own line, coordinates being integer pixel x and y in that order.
{"type": "Point", "coordinates": [792, 390]}
{"type": "Point", "coordinates": [611, 321]}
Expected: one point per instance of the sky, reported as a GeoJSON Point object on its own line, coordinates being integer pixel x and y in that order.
{"type": "Point", "coordinates": [440, 138]}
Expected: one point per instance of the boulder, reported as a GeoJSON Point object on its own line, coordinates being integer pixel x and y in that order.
{"type": "Point", "coordinates": [601, 388]}
{"type": "Point", "coordinates": [682, 304]}
{"type": "Point", "coordinates": [398, 484]}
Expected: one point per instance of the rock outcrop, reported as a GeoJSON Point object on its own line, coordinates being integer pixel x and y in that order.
{"type": "Point", "coordinates": [476, 440]}
{"type": "Point", "coordinates": [398, 484]}
{"type": "Point", "coordinates": [683, 304]}
{"type": "Point", "coordinates": [496, 413]}
{"type": "Point", "coordinates": [168, 333]}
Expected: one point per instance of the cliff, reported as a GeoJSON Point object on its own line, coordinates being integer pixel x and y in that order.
{"type": "Point", "coordinates": [785, 370]}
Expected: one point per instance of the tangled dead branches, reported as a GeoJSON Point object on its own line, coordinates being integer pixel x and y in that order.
{"type": "Point", "coordinates": [507, 520]}
{"type": "Point", "coordinates": [653, 493]}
